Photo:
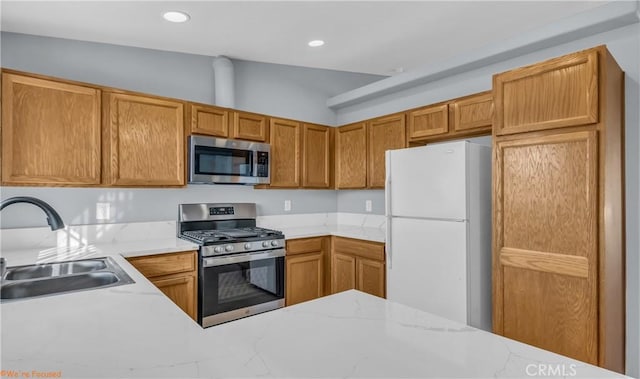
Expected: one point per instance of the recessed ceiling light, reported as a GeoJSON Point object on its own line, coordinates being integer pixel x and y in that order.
{"type": "Point", "coordinates": [176, 16]}
{"type": "Point", "coordinates": [316, 43]}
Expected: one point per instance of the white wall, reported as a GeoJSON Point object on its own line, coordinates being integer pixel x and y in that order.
{"type": "Point", "coordinates": [278, 90]}
{"type": "Point", "coordinates": [624, 45]}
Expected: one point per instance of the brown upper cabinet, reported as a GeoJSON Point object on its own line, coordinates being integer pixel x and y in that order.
{"type": "Point", "coordinates": [558, 207]}
{"type": "Point", "coordinates": [351, 156]}
{"type": "Point", "coordinates": [559, 93]}
{"type": "Point", "coordinates": [462, 117]}
{"type": "Point", "coordinates": [249, 126]}
{"type": "Point", "coordinates": [50, 132]}
{"type": "Point", "coordinates": [285, 153]}
{"type": "Point", "coordinates": [385, 133]}
{"type": "Point", "coordinates": [316, 156]}
{"type": "Point", "coordinates": [225, 123]}
{"type": "Point", "coordinates": [208, 120]}
{"type": "Point", "coordinates": [360, 150]}
{"type": "Point", "coordinates": [472, 113]}
{"type": "Point", "coordinates": [143, 140]}
{"type": "Point", "coordinates": [428, 121]}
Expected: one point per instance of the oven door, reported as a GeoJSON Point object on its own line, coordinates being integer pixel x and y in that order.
{"type": "Point", "coordinates": [240, 285]}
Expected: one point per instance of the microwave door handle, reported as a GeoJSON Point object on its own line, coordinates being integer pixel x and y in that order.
{"type": "Point", "coordinates": [254, 163]}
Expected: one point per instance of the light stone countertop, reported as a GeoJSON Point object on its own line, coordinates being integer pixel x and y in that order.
{"type": "Point", "coordinates": [134, 331]}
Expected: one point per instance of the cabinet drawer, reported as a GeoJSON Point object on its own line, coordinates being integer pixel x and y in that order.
{"type": "Point", "coordinates": [165, 264]}
{"type": "Point", "coordinates": [366, 249]}
{"type": "Point", "coordinates": [304, 245]}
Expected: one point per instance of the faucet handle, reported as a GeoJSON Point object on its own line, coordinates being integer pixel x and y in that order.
{"type": "Point", "coordinates": [3, 267]}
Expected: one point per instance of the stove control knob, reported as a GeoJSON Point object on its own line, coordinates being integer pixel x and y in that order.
{"type": "Point", "coordinates": [229, 248]}
{"type": "Point", "coordinates": [247, 246]}
{"type": "Point", "coordinates": [218, 249]}
{"type": "Point", "coordinates": [265, 244]}
{"type": "Point", "coordinates": [274, 243]}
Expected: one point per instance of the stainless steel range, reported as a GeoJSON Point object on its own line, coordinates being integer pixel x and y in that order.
{"type": "Point", "coordinates": [241, 266]}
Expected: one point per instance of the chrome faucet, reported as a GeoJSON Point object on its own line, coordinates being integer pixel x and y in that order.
{"type": "Point", "coordinates": [53, 218]}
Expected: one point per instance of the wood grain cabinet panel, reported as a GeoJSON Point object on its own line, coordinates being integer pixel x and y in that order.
{"type": "Point", "coordinates": [385, 133]}
{"type": "Point", "coordinates": [351, 156]}
{"type": "Point", "coordinates": [208, 120]}
{"type": "Point", "coordinates": [181, 290]}
{"type": "Point", "coordinates": [558, 230]}
{"type": "Point", "coordinates": [472, 113]}
{"type": "Point", "coordinates": [547, 211]}
{"type": "Point", "coordinates": [429, 121]}
{"type": "Point", "coordinates": [343, 272]}
{"type": "Point", "coordinates": [285, 153]}
{"type": "Point", "coordinates": [305, 277]}
{"type": "Point", "coordinates": [144, 141]}
{"type": "Point", "coordinates": [51, 132]}
{"type": "Point", "coordinates": [357, 264]}
{"type": "Point", "coordinates": [371, 276]}
{"type": "Point", "coordinates": [307, 268]}
{"type": "Point", "coordinates": [316, 156]}
{"type": "Point", "coordinates": [249, 126]}
{"type": "Point", "coordinates": [557, 93]}
{"type": "Point", "coordinates": [175, 274]}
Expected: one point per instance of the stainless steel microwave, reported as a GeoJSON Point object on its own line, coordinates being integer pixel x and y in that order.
{"type": "Point", "coordinates": [218, 160]}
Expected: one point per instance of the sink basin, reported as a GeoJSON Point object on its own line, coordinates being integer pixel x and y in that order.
{"type": "Point", "coordinates": [54, 269]}
{"type": "Point", "coordinates": [60, 284]}
{"type": "Point", "coordinates": [24, 282]}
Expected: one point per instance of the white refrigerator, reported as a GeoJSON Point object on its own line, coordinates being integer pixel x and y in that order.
{"type": "Point", "coordinates": [438, 209]}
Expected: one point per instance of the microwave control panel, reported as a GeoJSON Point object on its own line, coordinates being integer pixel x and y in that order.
{"type": "Point", "coordinates": [263, 164]}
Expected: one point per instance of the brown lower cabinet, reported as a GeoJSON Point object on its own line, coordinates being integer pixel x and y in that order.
{"type": "Point", "coordinates": [306, 267]}
{"type": "Point", "coordinates": [175, 274]}
{"type": "Point", "coordinates": [357, 264]}
{"type": "Point", "coordinates": [320, 266]}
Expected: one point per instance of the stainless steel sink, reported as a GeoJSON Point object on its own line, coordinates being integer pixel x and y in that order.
{"type": "Point", "coordinates": [25, 282]}
{"type": "Point", "coordinates": [55, 269]}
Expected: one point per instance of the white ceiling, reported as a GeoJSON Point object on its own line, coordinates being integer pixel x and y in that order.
{"type": "Point", "coordinates": [369, 37]}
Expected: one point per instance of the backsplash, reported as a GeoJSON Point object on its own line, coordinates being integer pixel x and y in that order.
{"type": "Point", "coordinates": [74, 236]}
{"type": "Point", "coordinates": [77, 206]}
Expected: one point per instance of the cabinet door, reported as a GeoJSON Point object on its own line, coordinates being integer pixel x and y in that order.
{"type": "Point", "coordinates": [249, 126]}
{"type": "Point", "coordinates": [144, 144]}
{"type": "Point", "coordinates": [351, 156]}
{"type": "Point", "coordinates": [558, 93]}
{"type": "Point", "coordinates": [370, 276]}
{"type": "Point", "coordinates": [285, 153]}
{"type": "Point", "coordinates": [181, 290]}
{"type": "Point", "coordinates": [304, 277]}
{"type": "Point", "coordinates": [473, 113]}
{"type": "Point", "coordinates": [50, 132]}
{"type": "Point", "coordinates": [428, 121]}
{"type": "Point", "coordinates": [545, 273]}
{"type": "Point", "coordinates": [343, 275]}
{"type": "Point", "coordinates": [212, 121]}
{"type": "Point", "coordinates": [316, 162]}
{"type": "Point", "coordinates": [386, 133]}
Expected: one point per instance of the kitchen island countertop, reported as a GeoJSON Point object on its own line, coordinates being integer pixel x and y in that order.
{"type": "Point", "coordinates": [135, 331]}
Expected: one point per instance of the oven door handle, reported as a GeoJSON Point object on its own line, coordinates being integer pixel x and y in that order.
{"type": "Point", "coordinates": [238, 258]}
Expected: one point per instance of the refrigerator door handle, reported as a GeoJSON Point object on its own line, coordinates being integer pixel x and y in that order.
{"type": "Point", "coordinates": [387, 208]}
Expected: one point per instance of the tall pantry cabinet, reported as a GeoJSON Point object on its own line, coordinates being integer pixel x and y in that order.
{"type": "Point", "coordinates": [558, 233]}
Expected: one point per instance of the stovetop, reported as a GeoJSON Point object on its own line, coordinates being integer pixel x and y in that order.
{"type": "Point", "coordinates": [231, 235]}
